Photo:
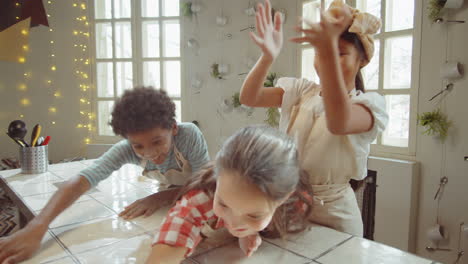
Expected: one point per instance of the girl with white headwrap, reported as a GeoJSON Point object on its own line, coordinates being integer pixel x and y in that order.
{"type": "Point", "coordinates": [333, 122]}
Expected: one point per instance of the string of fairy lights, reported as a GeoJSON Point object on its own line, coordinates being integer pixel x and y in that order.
{"type": "Point", "coordinates": [81, 66]}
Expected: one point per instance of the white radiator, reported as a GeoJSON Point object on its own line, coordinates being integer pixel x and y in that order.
{"type": "Point", "coordinates": [396, 202]}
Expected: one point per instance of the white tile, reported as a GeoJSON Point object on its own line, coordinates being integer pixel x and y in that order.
{"type": "Point", "coordinates": [152, 222]}
{"type": "Point", "coordinates": [38, 202]}
{"type": "Point", "coordinates": [128, 171]}
{"type": "Point", "coordinates": [363, 251]}
{"type": "Point", "coordinates": [133, 250]}
{"type": "Point", "coordinates": [118, 202]}
{"type": "Point", "coordinates": [10, 173]}
{"type": "Point", "coordinates": [312, 242]}
{"type": "Point", "coordinates": [68, 173]}
{"type": "Point", "coordinates": [80, 212]}
{"type": "Point", "coordinates": [50, 250]}
{"type": "Point", "coordinates": [32, 178]}
{"type": "Point", "coordinates": [66, 260]}
{"type": "Point", "coordinates": [66, 166]}
{"type": "Point", "coordinates": [266, 253]}
{"type": "Point", "coordinates": [96, 233]}
{"type": "Point", "coordinates": [146, 183]}
{"type": "Point", "coordinates": [33, 189]}
{"type": "Point", "coordinates": [115, 186]}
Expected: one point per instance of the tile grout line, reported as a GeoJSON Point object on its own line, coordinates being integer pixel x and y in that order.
{"type": "Point", "coordinates": [64, 247]}
{"type": "Point", "coordinates": [332, 248]}
{"type": "Point", "coordinates": [103, 246]}
{"type": "Point", "coordinates": [290, 251]}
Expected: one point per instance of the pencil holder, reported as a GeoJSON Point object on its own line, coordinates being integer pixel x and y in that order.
{"type": "Point", "coordinates": [34, 160]}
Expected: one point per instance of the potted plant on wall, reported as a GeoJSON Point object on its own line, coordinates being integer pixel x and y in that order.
{"type": "Point", "coordinates": [186, 9]}
{"type": "Point", "coordinates": [435, 7]}
{"type": "Point", "coordinates": [435, 123]}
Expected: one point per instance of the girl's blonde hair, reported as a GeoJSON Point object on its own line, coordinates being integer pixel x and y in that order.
{"type": "Point", "coordinates": [268, 159]}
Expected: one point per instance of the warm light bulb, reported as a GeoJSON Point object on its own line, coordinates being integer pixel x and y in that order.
{"type": "Point", "coordinates": [53, 122]}
{"type": "Point", "coordinates": [22, 87]}
{"type": "Point", "coordinates": [21, 59]}
{"type": "Point", "coordinates": [75, 5]}
{"type": "Point", "coordinates": [51, 42]}
{"type": "Point", "coordinates": [75, 32]}
{"type": "Point", "coordinates": [51, 30]}
{"type": "Point", "coordinates": [21, 116]}
{"type": "Point", "coordinates": [82, 100]}
{"type": "Point", "coordinates": [87, 140]}
{"type": "Point", "coordinates": [49, 81]}
{"type": "Point", "coordinates": [24, 32]}
{"type": "Point", "coordinates": [52, 109]}
{"type": "Point", "coordinates": [57, 94]}
{"type": "Point", "coordinates": [25, 47]}
{"type": "Point", "coordinates": [25, 102]}
{"type": "Point", "coordinates": [53, 68]}
{"type": "Point", "coordinates": [17, 4]}
{"type": "Point", "coordinates": [83, 6]}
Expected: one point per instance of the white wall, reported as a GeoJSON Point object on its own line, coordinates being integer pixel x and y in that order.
{"type": "Point", "coordinates": [454, 205]}
{"type": "Point", "coordinates": [66, 141]}
{"type": "Point", "coordinates": [215, 47]}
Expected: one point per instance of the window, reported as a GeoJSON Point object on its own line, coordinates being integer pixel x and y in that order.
{"type": "Point", "coordinates": [137, 43]}
{"type": "Point", "coordinates": [390, 71]}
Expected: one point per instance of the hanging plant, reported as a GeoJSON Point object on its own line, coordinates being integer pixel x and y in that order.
{"type": "Point", "coordinates": [436, 124]}
{"type": "Point", "coordinates": [236, 100]}
{"type": "Point", "coordinates": [273, 117]}
{"type": "Point", "coordinates": [434, 8]}
{"type": "Point", "coordinates": [186, 9]}
{"type": "Point", "coordinates": [270, 79]}
{"type": "Point", "coordinates": [215, 71]}
{"type": "Point", "coordinates": [273, 114]}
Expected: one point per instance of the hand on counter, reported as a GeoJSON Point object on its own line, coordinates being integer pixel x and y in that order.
{"type": "Point", "coordinates": [21, 245]}
{"type": "Point", "coordinates": [250, 244]}
{"type": "Point", "coordinates": [148, 205]}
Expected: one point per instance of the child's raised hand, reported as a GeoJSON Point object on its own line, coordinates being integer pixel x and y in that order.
{"type": "Point", "coordinates": [250, 244]}
{"type": "Point", "coordinates": [269, 35]}
{"type": "Point", "coordinates": [332, 24]}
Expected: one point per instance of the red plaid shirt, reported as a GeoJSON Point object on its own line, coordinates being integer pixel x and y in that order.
{"type": "Point", "coordinates": [183, 223]}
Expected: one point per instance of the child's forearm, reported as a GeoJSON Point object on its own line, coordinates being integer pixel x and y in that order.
{"type": "Point", "coordinates": [253, 84]}
{"type": "Point", "coordinates": [334, 91]}
{"type": "Point", "coordinates": [69, 192]}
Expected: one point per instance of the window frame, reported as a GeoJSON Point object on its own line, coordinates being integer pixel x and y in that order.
{"type": "Point", "coordinates": [136, 21]}
{"type": "Point", "coordinates": [379, 149]}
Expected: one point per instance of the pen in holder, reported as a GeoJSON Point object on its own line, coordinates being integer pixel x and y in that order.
{"type": "Point", "coordinates": [34, 159]}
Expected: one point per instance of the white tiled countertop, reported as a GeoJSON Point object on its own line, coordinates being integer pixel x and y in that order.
{"type": "Point", "coordinates": [91, 232]}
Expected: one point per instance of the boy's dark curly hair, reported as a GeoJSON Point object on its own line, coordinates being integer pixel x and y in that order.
{"type": "Point", "coordinates": [140, 109]}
